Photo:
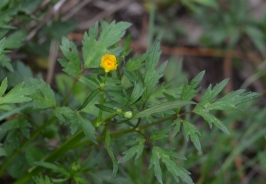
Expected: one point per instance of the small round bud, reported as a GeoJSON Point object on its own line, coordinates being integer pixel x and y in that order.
{"type": "Point", "coordinates": [102, 85]}
{"type": "Point", "coordinates": [128, 114]}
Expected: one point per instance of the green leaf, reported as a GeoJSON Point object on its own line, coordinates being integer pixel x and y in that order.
{"type": "Point", "coordinates": [151, 75]}
{"type": "Point", "coordinates": [135, 63]}
{"type": "Point", "coordinates": [20, 123]}
{"type": "Point", "coordinates": [3, 87]}
{"type": "Point", "coordinates": [209, 3]}
{"type": "Point", "coordinates": [13, 111]}
{"type": "Point", "coordinates": [110, 152]}
{"type": "Point", "coordinates": [68, 116]}
{"type": "Point", "coordinates": [131, 77]}
{"type": "Point", "coordinates": [64, 114]}
{"type": "Point", "coordinates": [54, 167]}
{"type": "Point", "coordinates": [177, 125]}
{"type": "Point", "coordinates": [161, 134]}
{"type": "Point", "coordinates": [170, 153]}
{"type": "Point", "coordinates": [126, 46]}
{"type": "Point", "coordinates": [231, 100]}
{"type": "Point", "coordinates": [2, 46]}
{"type": "Point", "coordinates": [189, 90]}
{"type": "Point", "coordinates": [41, 180]}
{"type": "Point", "coordinates": [177, 170]}
{"type": "Point", "coordinates": [162, 108]}
{"type": "Point", "coordinates": [137, 93]}
{"type": "Point", "coordinates": [33, 154]}
{"type": "Point", "coordinates": [169, 97]}
{"type": "Point", "coordinates": [210, 93]}
{"type": "Point", "coordinates": [191, 131]}
{"type": "Point", "coordinates": [132, 151]}
{"type": "Point", "coordinates": [18, 94]}
{"type": "Point", "coordinates": [87, 127]}
{"type": "Point", "coordinates": [15, 40]}
{"type": "Point", "coordinates": [155, 161]}
{"type": "Point", "coordinates": [44, 97]}
{"type": "Point", "coordinates": [72, 66]}
{"type": "Point", "coordinates": [93, 50]}
{"type": "Point", "coordinates": [89, 99]}
{"type": "Point", "coordinates": [2, 151]}
{"type": "Point", "coordinates": [5, 62]}
{"type": "Point", "coordinates": [105, 108]}
{"type": "Point", "coordinates": [165, 155]}
{"type": "Point", "coordinates": [18, 167]}
{"type": "Point", "coordinates": [210, 118]}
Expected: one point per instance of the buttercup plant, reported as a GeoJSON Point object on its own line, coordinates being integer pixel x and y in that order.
{"type": "Point", "coordinates": [128, 103]}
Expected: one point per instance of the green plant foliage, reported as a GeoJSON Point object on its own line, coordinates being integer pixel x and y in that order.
{"type": "Point", "coordinates": [2, 151]}
{"type": "Point", "coordinates": [110, 152]}
{"type": "Point", "coordinates": [19, 94]}
{"type": "Point", "coordinates": [166, 156]}
{"type": "Point", "coordinates": [41, 180]}
{"type": "Point", "coordinates": [58, 130]}
{"type": "Point", "coordinates": [44, 96]}
{"type": "Point", "coordinates": [72, 66]}
{"type": "Point", "coordinates": [135, 150]}
{"type": "Point", "coordinates": [162, 108]}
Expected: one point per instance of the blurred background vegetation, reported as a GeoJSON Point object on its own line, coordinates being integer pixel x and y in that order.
{"type": "Point", "coordinates": [225, 38]}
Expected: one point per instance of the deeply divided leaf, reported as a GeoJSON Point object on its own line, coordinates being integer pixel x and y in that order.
{"type": "Point", "coordinates": [94, 49]}
{"type": "Point", "coordinates": [72, 65]}
{"type": "Point", "coordinates": [191, 131]}
{"type": "Point", "coordinates": [162, 108]}
{"type": "Point", "coordinates": [190, 89]}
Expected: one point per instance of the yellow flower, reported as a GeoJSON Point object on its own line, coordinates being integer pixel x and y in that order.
{"type": "Point", "coordinates": [108, 62]}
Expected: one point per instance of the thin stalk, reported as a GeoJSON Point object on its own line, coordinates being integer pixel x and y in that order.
{"type": "Point", "coordinates": [99, 118]}
{"type": "Point", "coordinates": [71, 88]}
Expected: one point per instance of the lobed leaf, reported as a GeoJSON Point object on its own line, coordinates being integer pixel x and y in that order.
{"type": "Point", "coordinates": [93, 50]}
{"type": "Point", "coordinates": [72, 66]}
{"type": "Point", "coordinates": [44, 97]}
{"type": "Point", "coordinates": [161, 134]}
{"type": "Point", "coordinates": [136, 93]}
{"type": "Point", "coordinates": [155, 161]}
{"type": "Point", "coordinates": [131, 152]}
{"type": "Point", "coordinates": [189, 90]}
{"type": "Point", "coordinates": [162, 108]}
{"type": "Point", "coordinates": [177, 125]}
{"type": "Point", "coordinates": [210, 118]}
{"type": "Point", "coordinates": [210, 93]}
{"type": "Point", "coordinates": [231, 100]}
{"type": "Point", "coordinates": [110, 152]}
{"type": "Point", "coordinates": [41, 180]}
{"type": "Point", "coordinates": [191, 131]}
{"type": "Point", "coordinates": [171, 165]}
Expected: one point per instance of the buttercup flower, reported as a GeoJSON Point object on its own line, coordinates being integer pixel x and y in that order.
{"type": "Point", "coordinates": [108, 62]}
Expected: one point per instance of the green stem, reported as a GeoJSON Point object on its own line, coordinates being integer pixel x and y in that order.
{"type": "Point", "coordinates": [37, 132]}
{"type": "Point", "coordinates": [71, 88]}
{"type": "Point", "coordinates": [99, 118]}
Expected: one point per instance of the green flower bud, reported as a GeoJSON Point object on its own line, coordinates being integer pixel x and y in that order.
{"type": "Point", "coordinates": [128, 114]}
